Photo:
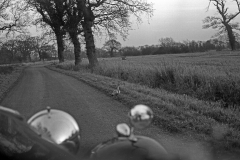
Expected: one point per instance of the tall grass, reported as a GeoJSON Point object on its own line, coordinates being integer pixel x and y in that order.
{"type": "Point", "coordinates": [204, 76]}
{"type": "Point", "coordinates": [178, 78]}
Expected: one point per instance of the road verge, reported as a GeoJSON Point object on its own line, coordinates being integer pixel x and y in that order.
{"type": "Point", "coordinates": [177, 114]}
{"type": "Point", "coordinates": [9, 77]}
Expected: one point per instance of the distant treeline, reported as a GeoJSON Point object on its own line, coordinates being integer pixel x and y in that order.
{"type": "Point", "coordinates": [168, 46]}
{"type": "Point", "coordinates": [25, 48]}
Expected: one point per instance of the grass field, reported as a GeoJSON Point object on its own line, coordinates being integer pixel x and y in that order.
{"type": "Point", "coordinates": [213, 76]}
{"type": "Point", "coordinates": [189, 93]}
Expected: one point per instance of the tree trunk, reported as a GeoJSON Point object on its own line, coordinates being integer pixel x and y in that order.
{"type": "Point", "coordinates": [88, 33]}
{"type": "Point", "coordinates": [29, 57]}
{"type": "Point", "coordinates": [60, 44]}
{"type": "Point", "coordinates": [111, 52]}
{"type": "Point", "coordinates": [90, 46]}
{"type": "Point", "coordinates": [12, 57]}
{"type": "Point", "coordinates": [231, 37]}
{"type": "Point", "coordinates": [39, 54]}
{"type": "Point", "coordinates": [77, 47]}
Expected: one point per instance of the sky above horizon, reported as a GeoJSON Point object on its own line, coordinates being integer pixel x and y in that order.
{"type": "Point", "coordinates": [179, 19]}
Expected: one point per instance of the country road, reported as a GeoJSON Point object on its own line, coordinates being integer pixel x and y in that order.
{"type": "Point", "coordinates": [96, 113]}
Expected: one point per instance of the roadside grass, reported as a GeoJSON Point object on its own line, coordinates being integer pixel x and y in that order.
{"type": "Point", "coordinates": [213, 76]}
{"type": "Point", "coordinates": [176, 113]}
{"type": "Point", "coordinates": [6, 69]}
{"type": "Point", "coordinates": [202, 83]}
{"type": "Point", "coordinates": [9, 75]}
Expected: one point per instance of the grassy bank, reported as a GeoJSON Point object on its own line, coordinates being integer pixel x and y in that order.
{"type": "Point", "coordinates": [9, 75]}
{"type": "Point", "coordinates": [176, 113]}
{"type": "Point", "coordinates": [213, 76]}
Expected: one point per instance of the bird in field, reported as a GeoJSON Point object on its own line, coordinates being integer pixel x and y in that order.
{"type": "Point", "coordinates": [116, 91]}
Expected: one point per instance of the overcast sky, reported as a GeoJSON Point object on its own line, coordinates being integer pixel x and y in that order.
{"type": "Point", "coordinates": [179, 19]}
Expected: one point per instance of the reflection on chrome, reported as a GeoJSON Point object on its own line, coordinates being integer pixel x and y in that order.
{"type": "Point", "coordinates": [58, 127]}
{"type": "Point", "coordinates": [140, 116]}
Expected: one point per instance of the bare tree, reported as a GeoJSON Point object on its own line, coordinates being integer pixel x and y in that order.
{"type": "Point", "coordinates": [11, 46]}
{"type": "Point", "coordinates": [40, 44]}
{"type": "Point", "coordinates": [17, 48]}
{"type": "Point", "coordinates": [47, 51]}
{"type": "Point", "coordinates": [63, 16]}
{"type": "Point", "coordinates": [224, 22]}
{"type": "Point", "coordinates": [25, 45]}
{"type": "Point", "coordinates": [112, 46]}
{"type": "Point", "coordinates": [87, 16]}
{"type": "Point", "coordinates": [52, 13]}
{"type": "Point", "coordinates": [167, 42]}
{"type": "Point", "coordinates": [72, 26]}
{"type": "Point", "coordinates": [111, 16]}
{"type": "Point", "coordinates": [4, 5]}
{"type": "Point", "coordinates": [14, 16]}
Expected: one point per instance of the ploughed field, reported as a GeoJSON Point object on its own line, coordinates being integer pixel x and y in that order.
{"type": "Point", "coordinates": [193, 93]}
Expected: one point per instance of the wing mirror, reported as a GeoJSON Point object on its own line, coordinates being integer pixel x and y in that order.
{"type": "Point", "coordinates": [57, 127]}
{"type": "Point", "coordinates": [140, 117]}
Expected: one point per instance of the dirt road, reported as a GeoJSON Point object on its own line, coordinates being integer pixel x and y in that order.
{"type": "Point", "coordinates": [96, 113]}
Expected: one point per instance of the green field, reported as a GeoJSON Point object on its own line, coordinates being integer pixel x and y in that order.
{"type": "Point", "coordinates": [190, 93]}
